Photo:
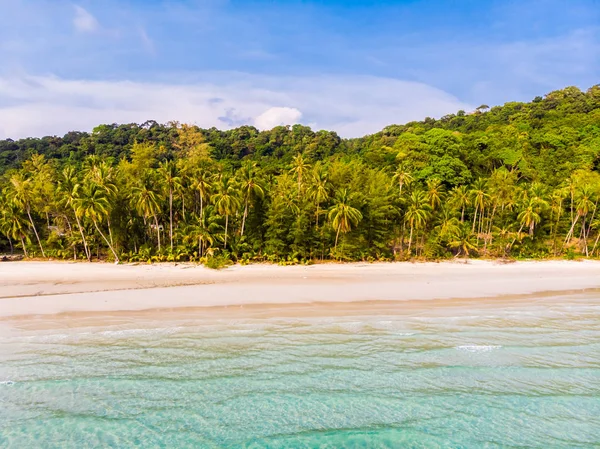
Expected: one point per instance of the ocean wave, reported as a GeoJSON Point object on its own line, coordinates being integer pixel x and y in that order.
{"type": "Point", "coordinates": [477, 348]}
{"type": "Point", "coordinates": [143, 331]}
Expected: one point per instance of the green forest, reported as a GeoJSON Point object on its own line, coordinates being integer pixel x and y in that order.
{"type": "Point", "coordinates": [514, 181]}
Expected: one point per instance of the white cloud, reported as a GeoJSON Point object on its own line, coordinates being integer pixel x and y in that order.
{"type": "Point", "coordinates": [84, 22]}
{"type": "Point", "coordinates": [276, 116]}
{"type": "Point", "coordinates": [352, 106]}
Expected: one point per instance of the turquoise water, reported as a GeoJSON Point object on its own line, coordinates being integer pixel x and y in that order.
{"type": "Point", "coordinates": [512, 374]}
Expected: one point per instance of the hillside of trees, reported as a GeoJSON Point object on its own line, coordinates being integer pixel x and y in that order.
{"type": "Point", "coordinates": [518, 180]}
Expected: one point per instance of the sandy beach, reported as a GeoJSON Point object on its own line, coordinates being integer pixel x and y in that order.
{"type": "Point", "coordinates": [40, 288]}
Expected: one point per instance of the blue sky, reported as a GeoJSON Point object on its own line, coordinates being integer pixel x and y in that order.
{"type": "Point", "coordinates": [350, 66]}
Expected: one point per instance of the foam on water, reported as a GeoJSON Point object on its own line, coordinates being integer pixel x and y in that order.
{"type": "Point", "coordinates": [464, 377]}
{"type": "Point", "coordinates": [478, 348]}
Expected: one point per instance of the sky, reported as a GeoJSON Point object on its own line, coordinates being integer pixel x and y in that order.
{"type": "Point", "coordinates": [353, 67]}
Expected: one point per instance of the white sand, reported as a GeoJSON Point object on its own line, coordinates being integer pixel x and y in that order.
{"type": "Point", "coordinates": [39, 288]}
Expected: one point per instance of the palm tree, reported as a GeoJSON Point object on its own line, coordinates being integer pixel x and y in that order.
{"type": "Point", "coordinates": [12, 223]}
{"type": "Point", "coordinates": [530, 215]}
{"type": "Point", "coordinates": [435, 190]}
{"type": "Point", "coordinates": [144, 199]}
{"type": "Point", "coordinates": [480, 196]}
{"type": "Point", "coordinates": [318, 190]}
{"type": "Point", "coordinates": [94, 204]}
{"type": "Point", "coordinates": [300, 168]}
{"type": "Point", "coordinates": [201, 231]}
{"type": "Point", "coordinates": [103, 174]}
{"type": "Point", "coordinates": [22, 195]}
{"type": "Point", "coordinates": [460, 197]}
{"type": "Point", "coordinates": [447, 224]}
{"type": "Point", "coordinates": [417, 213]}
{"type": "Point", "coordinates": [463, 239]}
{"type": "Point", "coordinates": [169, 175]}
{"type": "Point", "coordinates": [202, 185]}
{"type": "Point", "coordinates": [69, 189]}
{"type": "Point", "coordinates": [226, 200]}
{"type": "Point", "coordinates": [583, 205]}
{"type": "Point", "coordinates": [403, 177]}
{"type": "Point", "coordinates": [556, 209]}
{"type": "Point", "coordinates": [250, 187]}
{"type": "Point", "coordinates": [595, 224]}
{"type": "Point", "coordinates": [342, 215]}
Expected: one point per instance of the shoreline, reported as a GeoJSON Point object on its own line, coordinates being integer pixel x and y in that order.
{"type": "Point", "coordinates": [47, 288]}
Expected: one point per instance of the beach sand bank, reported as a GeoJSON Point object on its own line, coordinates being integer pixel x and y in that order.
{"type": "Point", "coordinates": [40, 288]}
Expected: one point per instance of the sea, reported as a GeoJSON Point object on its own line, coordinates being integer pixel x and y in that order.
{"type": "Point", "coordinates": [496, 373]}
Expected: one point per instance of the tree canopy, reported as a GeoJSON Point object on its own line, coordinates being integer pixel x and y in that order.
{"type": "Point", "coordinates": [517, 180]}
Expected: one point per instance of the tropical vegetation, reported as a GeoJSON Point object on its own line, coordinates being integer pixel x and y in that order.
{"type": "Point", "coordinates": [518, 180]}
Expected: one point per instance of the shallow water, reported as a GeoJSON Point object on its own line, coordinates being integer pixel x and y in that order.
{"type": "Point", "coordinates": [461, 375]}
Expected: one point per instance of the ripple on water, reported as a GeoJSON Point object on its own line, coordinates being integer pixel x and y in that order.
{"type": "Point", "coordinates": [518, 376]}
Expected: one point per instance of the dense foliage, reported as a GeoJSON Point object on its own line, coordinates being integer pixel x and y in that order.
{"type": "Point", "coordinates": [515, 180]}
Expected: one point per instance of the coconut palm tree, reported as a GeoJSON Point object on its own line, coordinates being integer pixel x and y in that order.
{"type": "Point", "coordinates": [94, 204]}
{"type": "Point", "coordinates": [69, 190]}
{"type": "Point", "coordinates": [202, 231]}
{"type": "Point", "coordinates": [169, 176]}
{"type": "Point", "coordinates": [435, 191]}
{"type": "Point", "coordinates": [250, 187]}
{"type": "Point", "coordinates": [300, 168]}
{"type": "Point", "coordinates": [417, 213]}
{"type": "Point", "coordinates": [583, 204]}
{"type": "Point", "coordinates": [145, 200]}
{"type": "Point", "coordinates": [460, 197]}
{"type": "Point", "coordinates": [12, 223]}
{"type": "Point", "coordinates": [318, 190]}
{"type": "Point", "coordinates": [446, 224]}
{"type": "Point", "coordinates": [21, 193]}
{"type": "Point", "coordinates": [403, 177]}
{"type": "Point", "coordinates": [463, 239]}
{"type": "Point", "coordinates": [480, 197]}
{"type": "Point", "coordinates": [226, 200]}
{"type": "Point", "coordinates": [530, 215]}
{"type": "Point", "coordinates": [203, 185]}
{"type": "Point", "coordinates": [343, 215]}
{"type": "Point", "coordinates": [103, 174]}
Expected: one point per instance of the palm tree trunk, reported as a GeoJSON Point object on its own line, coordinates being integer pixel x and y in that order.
{"type": "Point", "coordinates": [584, 238]}
{"type": "Point", "coordinates": [475, 218]}
{"type": "Point", "coordinates": [589, 228]}
{"type": "Point", "coordinates": [518, 234]}
{"type": "Point", "coordinates": [595, 243]}
{"type": "Point", "coordinates": [556, 230]}
{"type": "Point", "coordinates": [106, 240]}
{"type": "Point", "coordinates": [110, 236]}
{"type": "Point", "coordinates": [570, 233]}
{"type": "Point", "coordinates": [24, 247]}
{"type": "Point", "coordinates": [410, 239]}
{"type": "Point", "coordinates": [35, 232]}
{"type": "Point", "coordinates": [12, 250]}
{"type": "Point", "coordinates": [337, 235]}
{"type": "Point", "coordinates": [244, 217]}
{"type": "Point", "coordinates": [226, 226]}
{"type": "Point", "coordinates": [171, 217]}
{"type": "Point", "coordinates": [85, 246]}
{"type": "Point", "coordinates": [157, 231]}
